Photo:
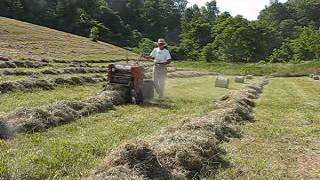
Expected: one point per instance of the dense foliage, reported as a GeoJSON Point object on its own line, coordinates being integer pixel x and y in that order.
{"type": "Point", "coordinates": [283, 32]}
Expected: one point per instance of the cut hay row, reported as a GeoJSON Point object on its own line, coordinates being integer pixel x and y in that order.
{"type": "Point", "coordinates": [91, 61]}
{"type": "Point", "coordinates": [41, 118]}
{"type": "Point", "coordinates": [49, 83]}
{"type": "Point", "coordinates": [22, 64]}
{"type": "Point", "coordinates": [190, 151]}
{"type": "Point", "coordinates": [72, 70]}
{"type": "Point", "coordinates": [172, 73]}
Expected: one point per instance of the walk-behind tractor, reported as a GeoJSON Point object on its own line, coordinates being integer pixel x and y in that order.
{"type": "Point", "coordinates": [132, 77]}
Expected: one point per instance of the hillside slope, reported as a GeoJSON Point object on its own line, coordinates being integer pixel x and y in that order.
{"type": "Point", "coordinates": [24, 40]}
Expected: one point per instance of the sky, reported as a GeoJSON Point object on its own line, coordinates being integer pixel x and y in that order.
{"type": "Point", "coordinates": [248, 8]}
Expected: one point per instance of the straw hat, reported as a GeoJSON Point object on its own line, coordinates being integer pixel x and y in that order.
{"type": "Point", "coordinates": [162, 41]}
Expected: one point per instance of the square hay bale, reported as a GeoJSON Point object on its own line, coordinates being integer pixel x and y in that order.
{"type": "Point", "coordinates": [249, 77]}
{"type": "Point", "coordinates": [222, 82]}
{"type": "Point", "coordinates": [239, 79]}
{"type": "Point", "coordinates": [316, 78]}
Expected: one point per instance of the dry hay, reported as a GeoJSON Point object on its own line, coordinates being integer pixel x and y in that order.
{"type": "Point", "coordinates": [187, 74]}
{"type": "Point", "coordinates": [118, 173]}
{"type": "Point", "coordinates": [249, 77]}
{"type": "Point", "coordinates": [89, 61]}
{"type": "Point", "coordinates": [73, 70]}
{"type": "Point", "coordinates": [4, 58]}
{"type": "Point", "coordinates": [17, 72]}
{"type": "Point", "coordinates": [222, 82]}
{"type": "Point", "coordinates": [22, 64]}
{"type": "Point", "coordinates": [239, 79]}
{"type": "Point", "coordinates": [189, 151]}
{"type": "Point", "coordinates": [139, 158]}
{"type": "Point", "coordinates": [47, 84]}
{"type": "Point", "coordinates": [41, 118]}
{"type": "Point", "coordinates": [181, 74]}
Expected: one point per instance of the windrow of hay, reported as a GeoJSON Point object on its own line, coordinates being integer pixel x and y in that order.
{"type": "Point", "coordinates": [22, 64]}
{"type": "Point", "coordinates": [189, 151]}
{"type": "Point", "coordinates": [48, 84]}
{"type": "Point", "coordinates": [182, 74]}
{"type": "Point", "coordinates": [101, 61]}
{"type": "Point", "coordinates": [41, 118]}
{"type": "Point", "coordinates": [72, 70]}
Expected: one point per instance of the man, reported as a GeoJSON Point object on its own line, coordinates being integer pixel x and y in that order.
{"type": "Point", "coordinates": [161, 58]}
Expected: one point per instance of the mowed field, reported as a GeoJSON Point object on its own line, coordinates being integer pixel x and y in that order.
{"type": "Point", "coordinates": [24, 40]}
{"type": "Point", "coordinates": [73, 150]}
{"type": "Point", "coordinates": [284, 142]}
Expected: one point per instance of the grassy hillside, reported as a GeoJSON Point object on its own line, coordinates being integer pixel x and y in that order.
{"type": "Point", "coordinates": [24, 40]}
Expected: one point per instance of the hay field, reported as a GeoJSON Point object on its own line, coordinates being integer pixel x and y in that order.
{"type": "Point", "coordinates": [73, 150]}
{"type": "Point", "coordinates": [284, 142]}
{"type": "Point", "coordinates": [24, 40]}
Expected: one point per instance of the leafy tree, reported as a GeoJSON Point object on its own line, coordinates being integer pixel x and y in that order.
{"type": "Point", "coordinates": [154, 24]}
{"type": "Point", "coordinates": [275, 13]}
{"type": "Point", "coordinates": [145, 46]}
{"type": "Point", "coordinates": [234, 41]}
{"type": "Point", "coordinates": [94, 33]}
{"type": "Point", "coordinates": [307, 45]}
{"type": "Point", "coordinates": [209, 54]}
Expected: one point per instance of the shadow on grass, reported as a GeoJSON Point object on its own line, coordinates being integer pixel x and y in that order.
{"type": "Point", "coordinates": [163, 104]}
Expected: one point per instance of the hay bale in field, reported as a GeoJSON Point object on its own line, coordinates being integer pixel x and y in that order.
{"type": "Point", "coordinates": [316, 77]}
{"type": "Point", "coordinates": [239, 79]}
{"type": "Point", "coordinates": [222, 82]}
{"type": "Point", "coordinates": [249, 77]}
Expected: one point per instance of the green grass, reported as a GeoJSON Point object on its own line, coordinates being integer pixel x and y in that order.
{"type": "Point", "coordinates": [11, 78]}
{"type": "Point", "coordinates": [284, 143]}
{"type": "Point", "coordinates": [73, 150]}
{"type": "Point", "coordinates": [277, 70]}
{"type": "Point", "coordinates": [12, 101]}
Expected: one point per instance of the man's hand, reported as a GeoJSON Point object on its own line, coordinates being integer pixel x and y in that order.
{"type": "Point", "coordinates": [149, 58]}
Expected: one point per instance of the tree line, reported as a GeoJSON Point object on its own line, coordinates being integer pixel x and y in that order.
{"type": "Point", "coordinates": [283, 32]}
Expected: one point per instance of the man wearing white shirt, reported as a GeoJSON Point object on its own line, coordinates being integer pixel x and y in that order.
{"type": "Point", "coordinates": [161, 58]}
